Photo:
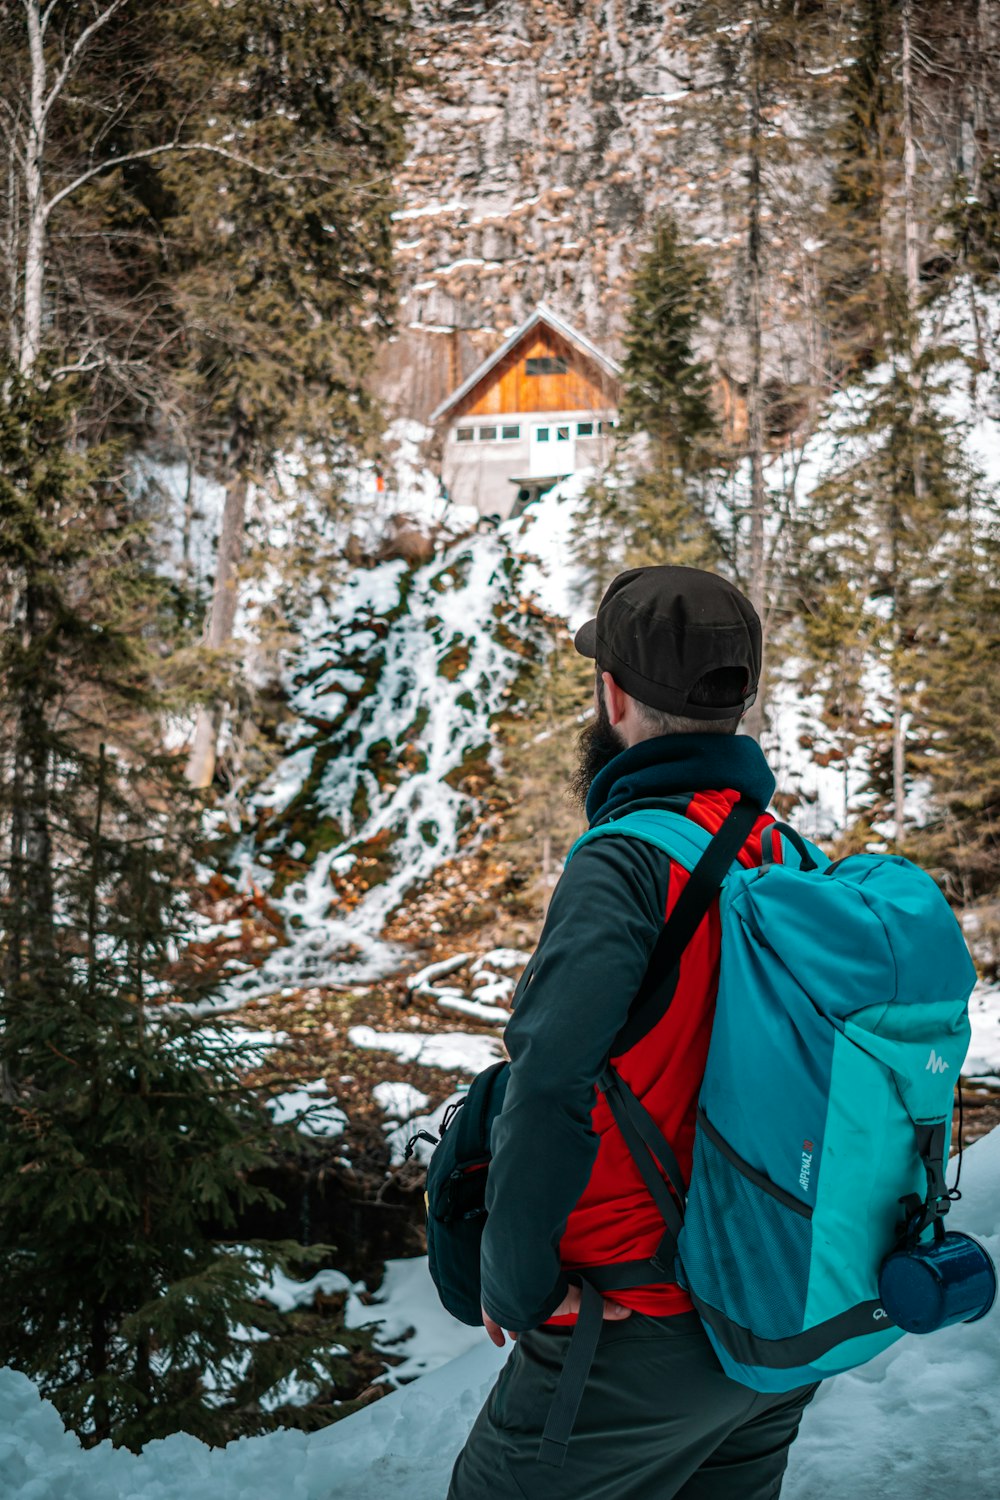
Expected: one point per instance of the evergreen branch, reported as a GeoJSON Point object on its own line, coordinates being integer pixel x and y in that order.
{"type": "Point", "coordinates": [53, 1048]}
{"type": "Point", "coordinates": [77, 49]}
{"type": "Point", "coordinates": [181, 147]}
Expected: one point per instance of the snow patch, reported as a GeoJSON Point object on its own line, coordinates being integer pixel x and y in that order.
{"type": "Point", "coordinates": [308, 1110]}
{"type": "Point", "coordinates": [457, 1051]}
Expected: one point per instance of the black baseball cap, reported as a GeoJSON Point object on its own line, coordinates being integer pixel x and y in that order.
{"type": "Point", "coordinates": [659, 631]}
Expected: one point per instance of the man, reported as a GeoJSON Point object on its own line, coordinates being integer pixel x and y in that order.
{"type": "Point", "coordinates": [678, 656]}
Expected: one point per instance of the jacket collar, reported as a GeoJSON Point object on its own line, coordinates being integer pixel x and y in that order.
{"type": "Point", "coordinates": [674, 763]}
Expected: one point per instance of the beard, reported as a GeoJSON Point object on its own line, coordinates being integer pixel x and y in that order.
{"type": "Point", "coordinates": [596, 748]}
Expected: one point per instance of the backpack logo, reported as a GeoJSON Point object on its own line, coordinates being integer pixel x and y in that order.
{"type": "Point", "coordinates": [806, 1167]}
{"type": "Point", "coordinates": [879, 1312]}
{"type": "Point", "coordinates": [936, 1064]}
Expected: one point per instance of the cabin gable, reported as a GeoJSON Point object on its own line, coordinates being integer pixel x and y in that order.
{"type": "Point", "coordinates": [543, 406]}
{"type": "Point", "coordinates": [543, 372]}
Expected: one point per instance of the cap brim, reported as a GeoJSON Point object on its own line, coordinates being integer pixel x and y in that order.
{"type": "Point", "coordinates": [585, 639]}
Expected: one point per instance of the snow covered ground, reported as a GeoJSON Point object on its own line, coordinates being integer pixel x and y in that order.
{"type": "Point", "coordinates": [983, 1058]}
{"type": "Point", "coordinates": [908, 1426]}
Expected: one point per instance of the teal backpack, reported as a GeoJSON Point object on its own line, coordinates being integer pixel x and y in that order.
{"type": "Point", "coordinates": [824, 1118]}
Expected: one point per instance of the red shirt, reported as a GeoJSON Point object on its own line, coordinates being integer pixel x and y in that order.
{"type": "Point", "coordinates": [615, 1219]}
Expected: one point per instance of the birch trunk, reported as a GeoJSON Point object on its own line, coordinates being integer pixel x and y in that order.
{"type": "Point", "coordinates": [909, 167]}
{"type": "Point", "coordinates": [34, 254]}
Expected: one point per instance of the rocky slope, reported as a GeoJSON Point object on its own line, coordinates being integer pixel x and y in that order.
{"type": "Point", "coordinates": [543, 136]}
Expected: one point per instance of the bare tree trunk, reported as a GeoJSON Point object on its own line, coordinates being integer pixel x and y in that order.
{"type": "Point", "coordinates": [754, 721]}
{"type": "Point", "coordinates": [37, 761]}
{"type": "Point", "coordinates": [95, 872]}
{"type": "Point", "coordinates": [34, 255]}
{"type": "Point", "coordinates": [912, 272]}
{"type": "Point", "coordinates": [909, 165]}
{"type": "Point", "coordinates": [201, 760]}
{"type": "Point", "coordinates": [978, 76]}
{"type": "Point", "coordinates": [188, 522]}
{"type": "Point", "coordinates": [899, 721]}
{"type": "Point", "coordinates": [11, 257]}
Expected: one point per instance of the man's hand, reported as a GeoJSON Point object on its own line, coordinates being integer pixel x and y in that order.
{"type": "Point", "coordinates": [569, 1304]}
{"type": "Point", "coordinates": [495, 1331]}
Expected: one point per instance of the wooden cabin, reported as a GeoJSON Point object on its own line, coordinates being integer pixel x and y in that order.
{"type": "Point", "coordinates": [541, 407]}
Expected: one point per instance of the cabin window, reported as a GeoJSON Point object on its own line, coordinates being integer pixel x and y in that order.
{"type": "Point", "coordinates": [464, 434]}
{"type": "Point", "coordinates": [510, 434]}
{"type": "Point", "coordinates": [562, 434]}
{"type": "Point", "coordinates": [541, 434]}
{"type": "Point", "coordinates": [545, 364]}
{"type": "Point", "coordinates": [608, 426]}
{"type": "Point", "coordinates": [487, 434]}
{"type": "Point", "coordinates": [585, 429]}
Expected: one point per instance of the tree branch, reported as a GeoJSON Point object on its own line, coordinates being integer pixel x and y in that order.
{"type": "Point", "coordinates": [15, 128]}
{"type": "Point", "coordinates": [14, 147]}
{"type": "Point", "coordinates": [179, 146]}
{"type": "Point", "coordinates": [73, 56]}
{"type": "Point", "coordinates": [85, 367]}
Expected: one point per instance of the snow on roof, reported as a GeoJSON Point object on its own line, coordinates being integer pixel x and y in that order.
{"type": "Point", "coordinates": [541, 314]}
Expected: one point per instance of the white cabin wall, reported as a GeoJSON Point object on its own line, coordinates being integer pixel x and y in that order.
{"type": "Point", "coordinates": [481, 473]}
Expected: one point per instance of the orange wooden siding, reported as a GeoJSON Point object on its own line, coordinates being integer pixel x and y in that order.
{"type": "Point", "coordinates": [508, 388]}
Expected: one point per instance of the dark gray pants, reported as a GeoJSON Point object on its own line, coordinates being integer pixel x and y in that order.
{"type": "Point", "coordinates": [659, 1420]}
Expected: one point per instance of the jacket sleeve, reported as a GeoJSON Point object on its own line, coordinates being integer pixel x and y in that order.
{"type": "Point", "coordinates": [604, 917]}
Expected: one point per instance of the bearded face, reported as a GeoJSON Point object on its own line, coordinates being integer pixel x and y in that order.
{"type": "Point", "coordinates": [597, 746]}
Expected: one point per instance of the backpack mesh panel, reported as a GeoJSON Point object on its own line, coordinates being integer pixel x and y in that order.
{"type": "Point", "coordinates": [743, 1252]}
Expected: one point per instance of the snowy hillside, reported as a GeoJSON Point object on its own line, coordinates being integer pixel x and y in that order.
{"type": "Point", "coordinates": [388, 740]}
{"type": "Point", "coordinates": [906, 1427]}
{"type": "Point", "coordinates": [390, 749]}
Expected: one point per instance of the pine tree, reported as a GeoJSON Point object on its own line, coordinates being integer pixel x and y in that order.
{"type": "Point", "coordinates": [652, 506]}
{"type": "Point", "coordinates": [196, 219]}
{"type": "Point", "coordinates": [889, 503]}
{"type": "Point", "coordinates": [540, 747]}
{"type": "Point", "coordinates": [285, 291]}
{"type": "Point", "coordinates": [666, 386]}
{"type": "Point", "coordinates": [959, 705]}
{"type": "Point", "coordinates": [881, 520]}
{"type": "Point", "coordinates": [859, 284]}
{"type": "Point", "coordinates": [127, 1143]}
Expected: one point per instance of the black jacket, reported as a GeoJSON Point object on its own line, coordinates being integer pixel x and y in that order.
{"type": "Point", "coordinates": [573, 998]}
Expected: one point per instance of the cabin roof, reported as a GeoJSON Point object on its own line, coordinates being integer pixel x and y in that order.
{"type": "Point", "coordinates": [541, 314]}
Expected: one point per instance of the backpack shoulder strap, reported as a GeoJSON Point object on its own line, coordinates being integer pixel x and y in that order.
{"type": "Point", "coordinates": [709, 869]}
{"type": "Point", "coordinates": [679, 836]}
